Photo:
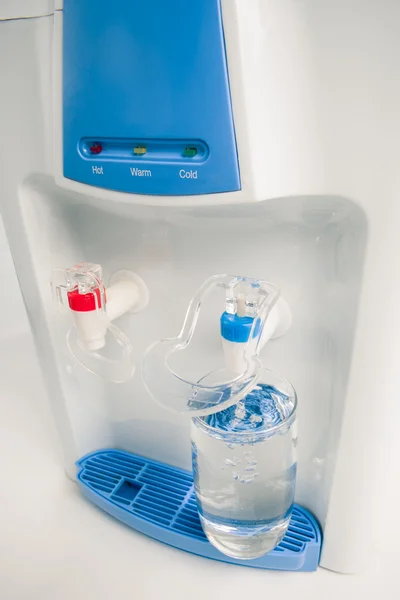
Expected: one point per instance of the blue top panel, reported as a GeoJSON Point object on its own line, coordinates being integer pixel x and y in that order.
{"type": "Point", "coordinates": [146, 99]}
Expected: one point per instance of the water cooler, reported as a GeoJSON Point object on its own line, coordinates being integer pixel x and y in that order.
{"type": "Point", "coordinates": [150, 145]}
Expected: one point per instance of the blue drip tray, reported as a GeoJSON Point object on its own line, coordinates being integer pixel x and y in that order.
{"type": "Point", "coordinates": [159, 501]}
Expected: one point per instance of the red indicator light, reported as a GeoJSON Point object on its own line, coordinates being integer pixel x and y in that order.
{"type": "Point", "coordinates": [95, 148]}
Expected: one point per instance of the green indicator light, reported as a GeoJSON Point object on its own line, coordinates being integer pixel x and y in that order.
{"type": "Point", "coordinates": [190, 152]}
{"type": "Point", "coordinates": [140, 150]}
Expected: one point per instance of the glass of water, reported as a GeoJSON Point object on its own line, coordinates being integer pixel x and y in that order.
{"type": "Point", "coordinates": [244, 466]}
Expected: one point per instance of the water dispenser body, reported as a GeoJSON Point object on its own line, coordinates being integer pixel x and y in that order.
{"type": "Point", "coordinates": [179, 140]}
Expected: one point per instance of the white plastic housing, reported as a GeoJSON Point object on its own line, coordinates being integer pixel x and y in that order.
{"type": "Point", "coordinates": [25, 9]}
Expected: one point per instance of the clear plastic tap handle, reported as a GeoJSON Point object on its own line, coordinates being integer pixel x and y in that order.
{"type": "Point", "coordinates": [95, 343]}
{"type": "Point", "coordinates": [222, 388]}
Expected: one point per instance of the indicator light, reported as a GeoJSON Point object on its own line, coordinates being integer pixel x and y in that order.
{"type": "Point", "coordinates": [95, 148]}
{"type": "Point", "coordinates": [140, 150]}
{"type": "Point", "coordinates": [190, 152]}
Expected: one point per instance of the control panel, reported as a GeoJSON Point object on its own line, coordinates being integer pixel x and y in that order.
{"type": "Point", "coordinates": [146, 97]}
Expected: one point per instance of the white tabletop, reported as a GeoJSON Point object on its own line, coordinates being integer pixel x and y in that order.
{"type": "Point", "coordinates": [54, 545]}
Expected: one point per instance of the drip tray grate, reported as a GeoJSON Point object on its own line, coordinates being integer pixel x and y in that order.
{"type": "Point", "coordinates": [159, 501]}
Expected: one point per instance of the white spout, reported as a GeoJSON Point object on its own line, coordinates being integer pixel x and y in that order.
{"type": "Point", "coordinates": [92, 329]}
{"type": "Point", "coordinates": [234, 352]}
